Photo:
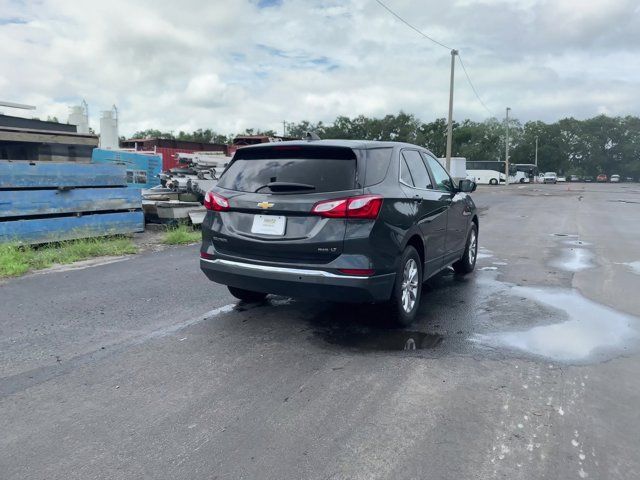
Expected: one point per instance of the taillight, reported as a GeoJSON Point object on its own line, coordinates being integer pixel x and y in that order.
{"type": "Point", "coordinates": [331, 208]}
{"type": "Point", "coordinates": [363, 206]}
{"type": "Point", "coordinates": [366, 206]}
{"type": "Point", "coordinates": [215, 202]}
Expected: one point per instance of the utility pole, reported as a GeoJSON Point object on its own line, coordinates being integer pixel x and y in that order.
{"type": "Point", "coordinates": [450, 124]}
{"type": "Point", "coordinates": [506, 154]}
{"type": "Point", "coordinates": [536, 150]}
{"type": "Point", "coordinates": [284, 128]}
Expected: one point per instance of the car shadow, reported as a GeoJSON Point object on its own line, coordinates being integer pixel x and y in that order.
{"type": "Point", "coordinates": [445, 317]}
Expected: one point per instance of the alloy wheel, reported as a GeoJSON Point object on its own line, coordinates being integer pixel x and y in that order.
{"type": "Point", "coordinates": [409, 285]}
{"type": "Point", "coordinates": [473, 247]}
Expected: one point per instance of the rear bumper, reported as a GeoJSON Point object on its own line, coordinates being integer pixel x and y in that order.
{"type": "Point", "coordinates": [298, 282]}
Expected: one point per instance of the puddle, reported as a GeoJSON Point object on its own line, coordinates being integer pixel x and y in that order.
{"type": "Point", "coordinates": [489, 268]}
{"type": "Point", "coordinates": [461, 314]}
{"type": "Point", "coordinates": [563, 234]}
{"type": "Point", "coordinates": [483, 253]}
{"type": "Point", "coordinates": [574, 260]}
{"type": "Point", "coordinates": [385, 340]}
{"type": "Point", "coordinates": [590, 329]}
{"type": "Point", "coordinates": [633, 266]}
{"type": "Point", "coordinates": [500, 263]}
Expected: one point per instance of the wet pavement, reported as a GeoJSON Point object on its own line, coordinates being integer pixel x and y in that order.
{"type": "Point", "coordinates": [525, 369]}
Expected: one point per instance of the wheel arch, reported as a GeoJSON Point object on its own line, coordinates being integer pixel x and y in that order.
{"type": "Point", "coordinates": [416, 241]}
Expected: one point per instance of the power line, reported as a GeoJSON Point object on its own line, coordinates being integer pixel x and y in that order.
{"type": "Point", "coordinates": [379, 2]}
{"type": "Point", "coordinates": [411, 26]}
{"type": "Point", "coordinates": [464, 69]}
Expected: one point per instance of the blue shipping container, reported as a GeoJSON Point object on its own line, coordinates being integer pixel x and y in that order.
{"type": "Point", "coordinates": [142, 169]}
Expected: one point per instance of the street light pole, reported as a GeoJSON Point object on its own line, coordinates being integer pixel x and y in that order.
{"type": "Point", "coordinates": [536, 150]}
{"type": "Point", "coordinates": [450, 123]}
{"type": "Point", "coordinates": [506, 154]}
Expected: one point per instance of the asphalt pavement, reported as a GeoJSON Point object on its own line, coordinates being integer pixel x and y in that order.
{"type": "Point", "coordinates": [528, 368]}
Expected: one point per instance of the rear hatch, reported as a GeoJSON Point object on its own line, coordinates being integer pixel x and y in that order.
{"type": "Point", "coordinates": [271, 192]}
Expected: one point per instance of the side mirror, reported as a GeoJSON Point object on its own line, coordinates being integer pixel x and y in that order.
{"type": "Point", "coordinates": [467, 186]}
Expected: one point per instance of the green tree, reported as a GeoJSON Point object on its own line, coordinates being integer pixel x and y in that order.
{"type": "Point", "coordinates": [585, 147]}
{"type": "Point", "coordinates": [153, 133]}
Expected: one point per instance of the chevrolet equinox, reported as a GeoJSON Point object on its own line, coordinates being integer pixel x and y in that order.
{"type": "Point", "coordinates": [342, 220]}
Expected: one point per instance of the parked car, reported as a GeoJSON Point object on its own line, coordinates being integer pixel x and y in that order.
{"type": "Point", "coordinates": [587, 179]}
{"type": "Point", "coordinates": [550, 177]}
{"type": "Point", "coordinates": [574, 178]}
{"type": "Point", "coordinates": [562, 179]}
{"type": "Point", "coordinates": [628, 179]}
{"type": "Point", "coordinates": [602, 178]}
{"type": "Point", "coordinates": [615, 178]}
{"type": "Point", "coordinates": [342, 220]}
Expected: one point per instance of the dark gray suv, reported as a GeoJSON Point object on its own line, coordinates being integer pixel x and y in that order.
{"type": "Point", "coordinates": [349, 221]}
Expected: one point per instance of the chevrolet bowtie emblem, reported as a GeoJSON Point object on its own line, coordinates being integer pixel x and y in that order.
{"type": "Point", "coordinates": [265, 205]}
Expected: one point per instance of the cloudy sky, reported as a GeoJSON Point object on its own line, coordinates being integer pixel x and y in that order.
{"type": "Point", "coordinates": [234, 64]}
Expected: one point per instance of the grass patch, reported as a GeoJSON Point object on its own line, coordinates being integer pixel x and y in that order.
{"type": "Point", "coordinates": [181, 235]}
{"type": "Point", "coordinates": [18, 259]}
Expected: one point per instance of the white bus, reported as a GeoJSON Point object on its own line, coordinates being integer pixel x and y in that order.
{"type": "Point", "coordinates": [486, 172]}
{"type": "Point", "coordinates": [526, 172]}
{"type": "Point", "coordinates": [492, 172]}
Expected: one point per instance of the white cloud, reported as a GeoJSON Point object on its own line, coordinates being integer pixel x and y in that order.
{"type": "Point", "coordinates": [232, 65]}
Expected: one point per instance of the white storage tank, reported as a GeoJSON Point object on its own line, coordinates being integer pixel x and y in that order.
{"type": "Point", "coordinates": [79, 116]}
{"type": "Point", "coordinates": [109, 129]}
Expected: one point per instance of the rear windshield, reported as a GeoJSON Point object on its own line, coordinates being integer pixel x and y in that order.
{"type": "Point", "coordinates": [291, 171]}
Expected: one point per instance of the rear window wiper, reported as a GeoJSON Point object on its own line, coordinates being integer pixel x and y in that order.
{"type": "Point", "coordinates": [285, 186]}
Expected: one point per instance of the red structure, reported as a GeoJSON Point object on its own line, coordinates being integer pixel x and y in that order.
{"type": "Point", "coordinates": [242, 140]}
{"type": "Point", "coordinates": [168, 148]}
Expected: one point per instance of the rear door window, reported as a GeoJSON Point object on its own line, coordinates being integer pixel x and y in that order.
{"type": "Point", "coordinates": [291, 170]}
{"type": "Point", "coordinates": [417, 169]}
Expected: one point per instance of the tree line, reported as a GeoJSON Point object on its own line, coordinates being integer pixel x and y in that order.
{"type": "Point", "coordinates": [602, 144]}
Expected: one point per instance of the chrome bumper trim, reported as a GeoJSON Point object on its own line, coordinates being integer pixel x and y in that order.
{"type": "Point", "coordinates": [292, 271]}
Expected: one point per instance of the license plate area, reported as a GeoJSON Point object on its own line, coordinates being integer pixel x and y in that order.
{"type": "Point", "coordinates": [269, 225]}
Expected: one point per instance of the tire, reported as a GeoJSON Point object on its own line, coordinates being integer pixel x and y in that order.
{"type": "Point", "coordinates": [522, 180]}
{"type": "Point", "coordinates": [405, 297]}
{"type": "Point", "coordinates": [468, 261]}
{"type": "Point", "coordinates": [247, 295]}
{"type": "Point", "coordinates": [493, 181]}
